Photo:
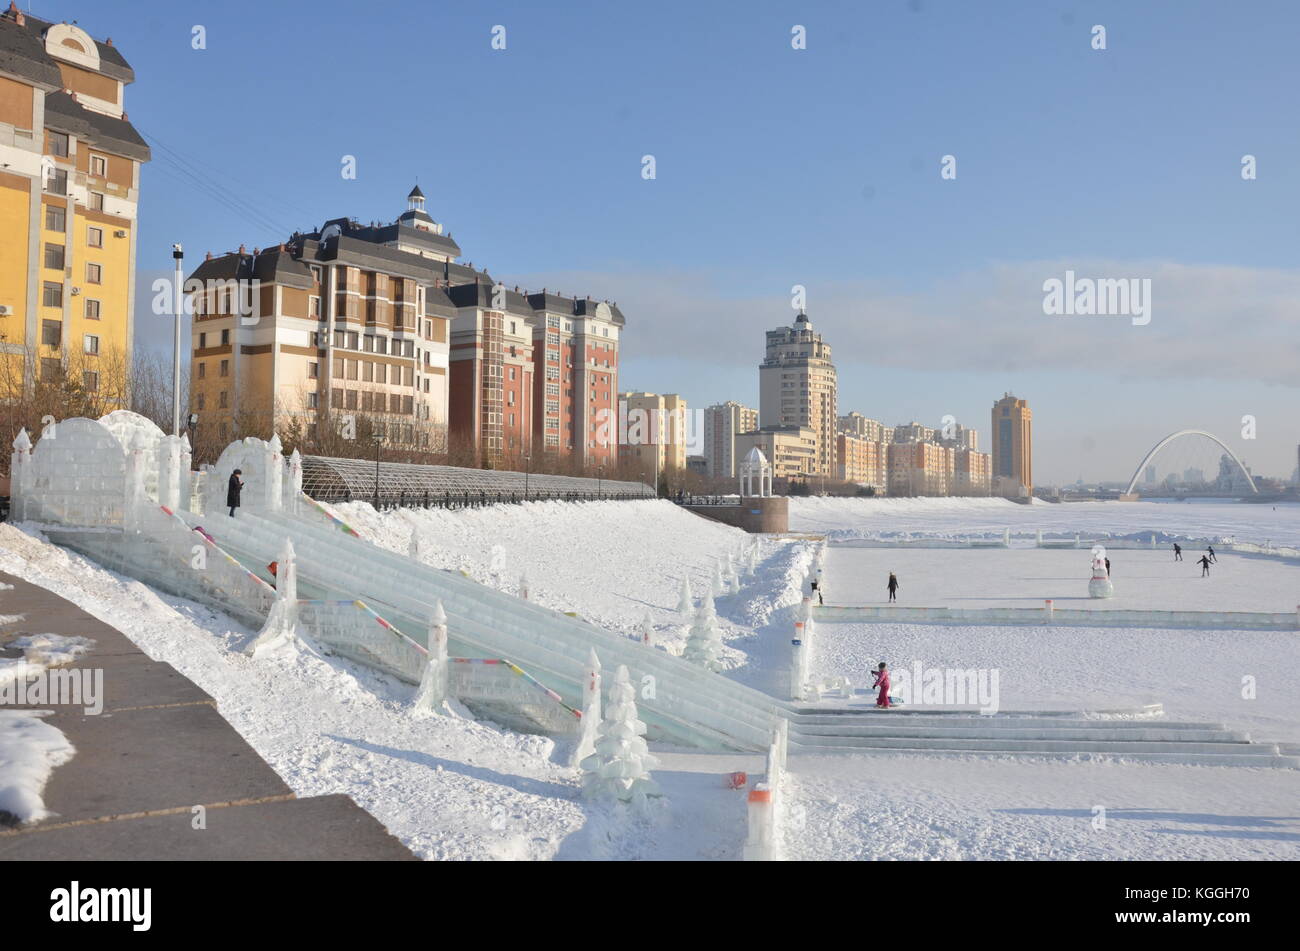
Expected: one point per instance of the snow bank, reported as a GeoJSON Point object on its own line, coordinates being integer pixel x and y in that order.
{"type": "Point", "coordinates": [29, 750]}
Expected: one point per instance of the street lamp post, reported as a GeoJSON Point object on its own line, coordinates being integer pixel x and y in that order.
{"type": "Point", "coordinates": [378, 438]}
{"type": "Point", "coordinates": [600, 473]}
{"type": "Point", "coordinates": [178, 255]}
{"type": "Point", "coordinates": [528, 465]}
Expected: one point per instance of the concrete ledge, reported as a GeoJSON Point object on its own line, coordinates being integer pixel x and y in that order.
{"type": "Point", "coordinates": [756, 515]}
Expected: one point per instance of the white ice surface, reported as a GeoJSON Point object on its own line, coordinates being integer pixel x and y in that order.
{"type": "Point", "coordinates": [1024, 577]}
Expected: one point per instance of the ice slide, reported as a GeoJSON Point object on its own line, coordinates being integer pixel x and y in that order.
{"type": "Point", "coordinates": [681, 701]}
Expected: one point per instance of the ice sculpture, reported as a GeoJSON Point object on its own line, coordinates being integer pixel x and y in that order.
{"type": "Point", "coordinates": [1099, 586]}
{"type": "Point", "coordinates": [620, 766]}
{"type": "Point", "coordinates": [704, 641]}
{"type": "Point", "coordinates": [684, 601]}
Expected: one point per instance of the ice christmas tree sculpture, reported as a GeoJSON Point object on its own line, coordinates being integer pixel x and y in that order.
{"type": "Point", "coordinates": [684, 603]}
{"type": "Point", "coordinates": [620, 767]}
{"type": "Point", "coordinates": [704, 641]}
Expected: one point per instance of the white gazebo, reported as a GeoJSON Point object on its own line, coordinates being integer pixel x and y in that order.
{"type": "Point", "coordinates": [754, 467]}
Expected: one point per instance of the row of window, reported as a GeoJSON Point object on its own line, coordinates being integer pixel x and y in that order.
{"type": "Point", "coordinates": [56, 183]}
{"type": "Point", "coordinates": [223, 400]}
{"type": "Point", "coordinates": [52, 296]}
{"type": "Point", "coordinates": [52, 371]}
{"type": "Point", "coordinates": [369, 401]}
{"type": "Point", "coordinates": [55, 256]}
{"type": "Point", "coordinates": [372, 371]}
{"type": "Point", "coordinates": [52, 336]}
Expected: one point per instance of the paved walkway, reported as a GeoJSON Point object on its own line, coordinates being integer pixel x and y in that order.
{"type": "Point", "coordinates": [158, 749]}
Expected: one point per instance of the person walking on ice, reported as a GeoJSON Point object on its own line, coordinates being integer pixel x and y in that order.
{"type": "Point", "coordinates": [233, 488]}
{"type": "Point", "coordinates": [882, 681]}
{"type": "Point", "coordinates": [1205, 565]}
{"type": "Point", "coordinates": [1178, 552]}
{"type": "Point", "coordinates": [893, 587]}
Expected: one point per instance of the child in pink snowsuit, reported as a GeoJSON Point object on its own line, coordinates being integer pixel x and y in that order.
{"type": "Point", "coordinates": [882, 681]}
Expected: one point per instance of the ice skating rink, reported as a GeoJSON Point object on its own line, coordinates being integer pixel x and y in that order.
{"type": "Point", "coordinates": [1143, 579]}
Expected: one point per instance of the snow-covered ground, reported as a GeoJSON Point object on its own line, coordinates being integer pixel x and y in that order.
{"type": "Point", "coordinates": [886, 518]}
{"type": "Point", "coordinates": [453, 787]}
{"type": "Point", "coordinates": [908, 807]}
{"type": "Point", "coordinates": [1023, 577]}
{"type": "Point", "coordinates": [612, 563]}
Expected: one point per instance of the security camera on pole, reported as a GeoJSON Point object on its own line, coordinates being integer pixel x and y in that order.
{"type": "Point", "coordinates": [178, 309]}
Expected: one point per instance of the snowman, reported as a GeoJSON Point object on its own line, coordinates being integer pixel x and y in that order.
{"type": "Point", "coordinates": [1099, 586]}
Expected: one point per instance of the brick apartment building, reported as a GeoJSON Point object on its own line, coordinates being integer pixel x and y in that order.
{"type": "Point", "coordinates": [381, 321]}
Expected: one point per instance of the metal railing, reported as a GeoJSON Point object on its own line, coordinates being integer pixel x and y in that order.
{"type": "Point", "coordinates": [467, 499]}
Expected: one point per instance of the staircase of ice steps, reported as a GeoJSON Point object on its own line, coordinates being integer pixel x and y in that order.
{"type": "Point", "coordinates": [1050, 737]}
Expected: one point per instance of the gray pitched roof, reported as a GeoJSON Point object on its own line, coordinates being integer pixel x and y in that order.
{"type": "Point", "coordinates": [271, 266]}
{"type": "Point", "coordinates": [23, 53]}
{"type": "Point", "coordinates": [111, 62]}
{"type": "Point", "coordinates": [63, 113]}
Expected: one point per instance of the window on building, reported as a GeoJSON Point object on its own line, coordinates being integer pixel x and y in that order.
{"type": "Point", "coordinates": [350, 399]}
{"type": "Point", "coordinates": [96, 201]}
{"type": "Point", "coordinates": [201, 369]}
{"type": "Point", "coordinates": [381, 373]}
{"type": "Point", "coordinates": [51, 333]}
{"type": "Point", "coordinates": [54, 255]}
{"type": "Point", "coordinates": [352, 371]}
{"type": "Point", "coordinates": [315, 273]}
{"type": "Point", "coordinates": [95, 237]}
{"type": "Point", "coordinates": [225, 337]}
{"type": "Point", "coordinates": [313, 400]}
{"type": "Point", "coordinates": [94, 273]}
{"type": "Point", "coordinates": [90, 343]}
{"type": "Point", "coordinates": [92, 309]}
{"type": "Point", "coordinates": [224, 370]}
{"type": "Point", "coordinates": [313, 308]}
{"type": "Point", "coordinates": [56, 181]}
{"type": "Point", "coordinates": [223, 402]}
{"type": "Point", "coordinates": [353, 339]}
{"type": "Point", "coordinates": [90, 381]}
{"type": "Point", "coordinates": [203, 341]}
{"type": "Point", "coordinates": [368, 372]}
{"type": "Point", "coordinates": [99, 166]}
{"type": "Point", "coordinates": [58, 143]}
{"type": "Point", "coordinates": [313, 371]}
{"type": "Point", "coordinates": [51, 369]}
{"type": "Point", "coordinates": [56, 218]}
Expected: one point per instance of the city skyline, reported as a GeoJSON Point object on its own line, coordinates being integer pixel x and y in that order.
{"type": "Point", "coordinates": [930, 289]}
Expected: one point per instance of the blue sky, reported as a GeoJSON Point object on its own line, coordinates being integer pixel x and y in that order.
{"type": "Point", "coordinates": [778, 167]}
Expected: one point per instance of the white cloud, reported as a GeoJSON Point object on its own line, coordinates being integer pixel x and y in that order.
{"type": "Point", "coordinates": [1207, 322]}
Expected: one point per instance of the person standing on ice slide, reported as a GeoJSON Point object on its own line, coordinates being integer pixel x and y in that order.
{"type": "Point", "coordinates": [882, 681]}
{"type": "Point", "coordinates": [1209, 550]}
{"type": "Point", "coordinates": [1178, 552]}
{"type": "Point", "coordinates": [893, 587]}
{"type": "Point", "coordinates": [1205, 565]}
{"type": "Point", "coordinates": [233, 488]}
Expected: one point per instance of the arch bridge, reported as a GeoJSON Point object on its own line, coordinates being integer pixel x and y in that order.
{"type": "Point", "coordinates": [1137, 474]}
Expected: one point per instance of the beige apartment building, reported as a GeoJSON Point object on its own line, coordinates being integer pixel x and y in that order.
{"type": "Point", "coordinates": [1012, 449]}
{"type": "Point", "coordinates": [855, 424]}
{"type": "Point", "coordinates": [654, 431]}
{"type": "Point", "coordinates": [723, 422]}
{"type": "Point", "coordinates": [791, 450]}
{"type": "Point", "coordinates": [863, 461]}
{"type": "Point", "coordinates": [971, 472]}
{"type": "Point", "coordinates": [798, 387]}
{"type": "Point", "coordinates": [919, 468]}
{"type": "Point", "coordinates": [346, 321]}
